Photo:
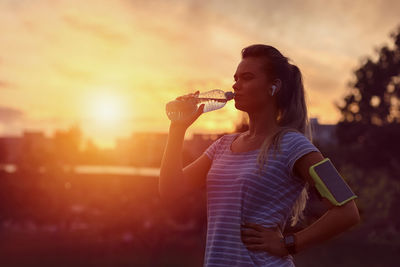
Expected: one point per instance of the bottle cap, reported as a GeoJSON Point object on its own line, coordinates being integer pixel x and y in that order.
{"type": "Point", "coordinates": [229, 95]}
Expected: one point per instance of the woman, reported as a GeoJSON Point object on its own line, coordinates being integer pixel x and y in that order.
{"type": "Point", "coordinates": [256, 180]}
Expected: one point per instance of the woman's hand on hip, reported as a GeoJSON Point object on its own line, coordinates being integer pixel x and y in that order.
{"type": "Point", "coordinates": [259, 238]}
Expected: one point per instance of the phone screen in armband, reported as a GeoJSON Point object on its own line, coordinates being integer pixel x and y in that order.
{"type": "Point", "coordinates": [330, 184]}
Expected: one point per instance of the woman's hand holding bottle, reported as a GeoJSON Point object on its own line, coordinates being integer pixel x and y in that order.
{"type": "Point", "coordinates": [184, 110]}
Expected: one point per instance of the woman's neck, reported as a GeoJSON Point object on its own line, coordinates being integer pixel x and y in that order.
{"type": "Point", "coordinates": [262, 124]}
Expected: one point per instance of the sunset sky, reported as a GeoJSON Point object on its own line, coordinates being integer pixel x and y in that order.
{"type": "Point", "coordinates": [111, 66]}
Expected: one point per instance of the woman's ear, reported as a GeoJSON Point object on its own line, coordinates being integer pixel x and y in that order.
{"type": "Point", "coordinates": [276, 86]}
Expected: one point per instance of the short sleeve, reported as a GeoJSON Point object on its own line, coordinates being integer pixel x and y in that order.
{"type": "Point", "coordinates": [297, 146]}
{"type": "Point", "coordinates": [213, 148]}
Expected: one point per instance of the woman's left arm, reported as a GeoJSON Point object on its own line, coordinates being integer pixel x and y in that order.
{"type": "Point", "coordinates": [335, 221]}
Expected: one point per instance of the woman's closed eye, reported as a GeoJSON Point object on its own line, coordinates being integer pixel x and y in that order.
{"type": "Point", "coordinates": [246, 77]}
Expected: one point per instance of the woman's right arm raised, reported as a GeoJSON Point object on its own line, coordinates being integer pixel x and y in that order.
{"type": "Point", "coordinates": [175, 181]}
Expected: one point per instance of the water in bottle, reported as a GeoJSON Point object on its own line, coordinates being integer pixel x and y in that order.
{"type": "Point", "coordinates": [212, 100]}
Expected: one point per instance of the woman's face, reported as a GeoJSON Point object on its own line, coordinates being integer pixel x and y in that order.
{"type": "Point", "coordinates": [252, 85]}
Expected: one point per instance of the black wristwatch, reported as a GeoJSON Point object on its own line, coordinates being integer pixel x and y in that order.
{"type": "Point", "coordinates": [290, 243]}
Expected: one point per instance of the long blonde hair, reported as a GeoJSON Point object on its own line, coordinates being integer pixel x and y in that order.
{"type": "Point", "coordinates": [292, 109]}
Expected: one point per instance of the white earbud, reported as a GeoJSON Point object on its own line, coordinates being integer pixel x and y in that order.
{"type": "Point", "coordinates": [273, 89]}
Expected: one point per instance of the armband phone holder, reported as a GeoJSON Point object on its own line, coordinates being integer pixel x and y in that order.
{"type": "Point", "coordinates": [330, 184]}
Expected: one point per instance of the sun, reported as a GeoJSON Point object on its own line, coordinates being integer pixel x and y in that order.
{"type": "Point", "coordinates": [106, 109]}
{"type": "Point", "coordinates": [106, 113]}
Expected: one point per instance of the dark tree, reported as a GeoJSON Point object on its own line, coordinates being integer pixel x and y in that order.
{"type": "Point", "coordinates": [370, 123]}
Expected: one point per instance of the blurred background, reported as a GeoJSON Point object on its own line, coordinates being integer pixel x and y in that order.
{"type": "Point", "coordinates": [83, 88]}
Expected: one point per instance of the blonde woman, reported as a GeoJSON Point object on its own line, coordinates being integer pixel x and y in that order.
{"type": "Point", "coordinates": [256, 181]}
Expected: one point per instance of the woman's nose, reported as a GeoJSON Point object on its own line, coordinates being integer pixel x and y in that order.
{"type": "Point", "coordinates": [234, 86]}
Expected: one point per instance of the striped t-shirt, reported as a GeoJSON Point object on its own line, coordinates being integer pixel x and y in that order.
{"type": "Point", "coordinates": [237, 192]}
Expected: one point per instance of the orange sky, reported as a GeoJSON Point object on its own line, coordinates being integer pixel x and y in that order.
{"type": "Point", "coordinates": [110, 66]}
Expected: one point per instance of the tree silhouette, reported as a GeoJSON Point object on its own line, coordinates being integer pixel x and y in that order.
{"type": "Point", "coordinates": [370, 123]}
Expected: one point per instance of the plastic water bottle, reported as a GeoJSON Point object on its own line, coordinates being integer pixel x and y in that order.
{"type": "Point", "coordinates": [214, 99]}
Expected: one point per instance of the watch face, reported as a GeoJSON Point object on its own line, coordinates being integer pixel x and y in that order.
{"type": "Point", "coordinates": [290, 244]}
{"type": "Point", "coordinates": [289, 239]}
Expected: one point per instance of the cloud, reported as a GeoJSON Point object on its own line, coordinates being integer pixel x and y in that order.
{"type": "Point", "coordinates": [10, 115]}
{"type": "Point", "coordinates": [97, 29]}
{"type": "Point", "coordinates": [4, 84]}
{"type": "Point", "coordinates": [72, 72]}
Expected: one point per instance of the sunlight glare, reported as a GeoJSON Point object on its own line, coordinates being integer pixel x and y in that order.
{"type": "Point", "coordinates": [106, 109]}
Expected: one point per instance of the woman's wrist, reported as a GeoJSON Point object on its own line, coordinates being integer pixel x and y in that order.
{"type": "Point", "coordinates": [174, 126]}
{"type": "Point", "coordinates": [290, 242]}
{"type": "Point", "coordinates": [177, 130]}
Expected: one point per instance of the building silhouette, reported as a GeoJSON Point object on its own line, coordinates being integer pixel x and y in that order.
{"type": "Point", "coordinates": [141, 149]}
